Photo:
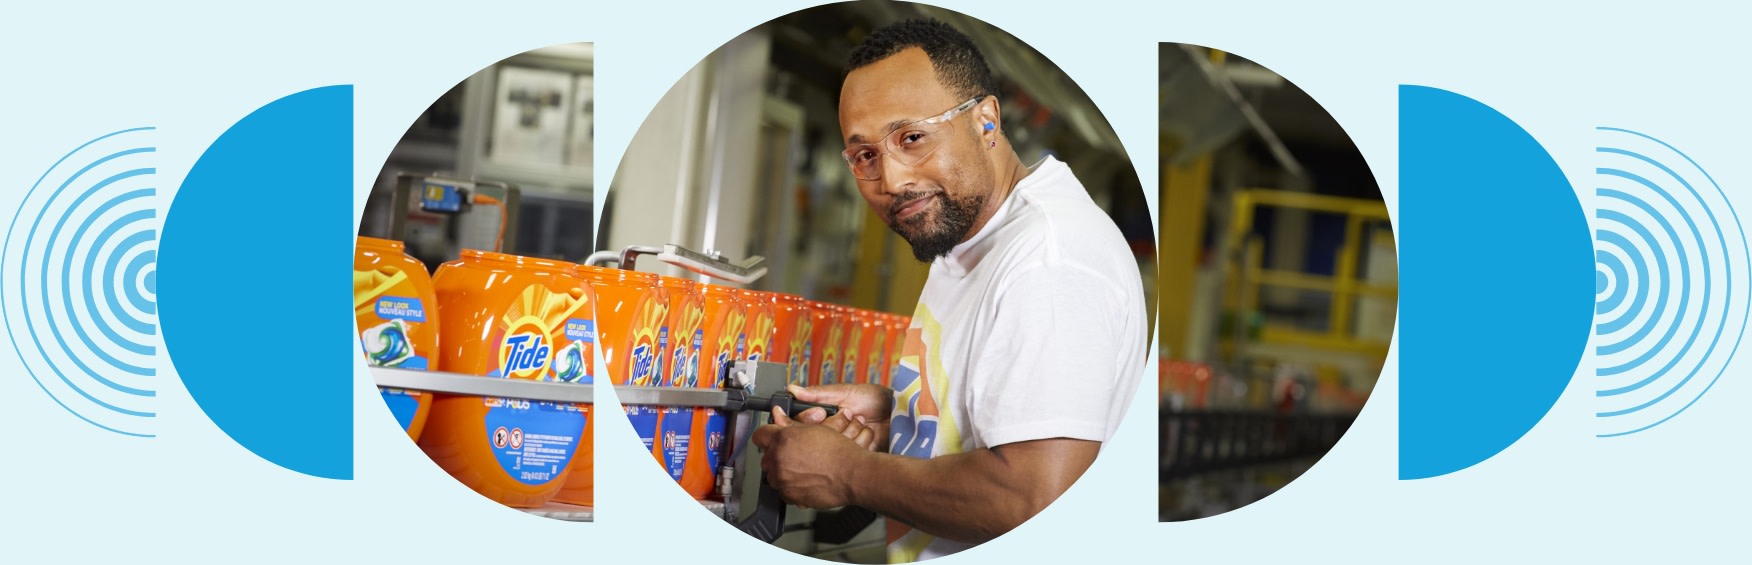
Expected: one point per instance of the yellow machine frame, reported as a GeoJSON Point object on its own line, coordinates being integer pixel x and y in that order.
{"type": "Point", "coordinates": [1344, 285]}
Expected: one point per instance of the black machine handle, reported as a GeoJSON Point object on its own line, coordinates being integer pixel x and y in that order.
{"type": "Point", "coordinates": [738, 400]}
{"type": "Point", "coordinates": [767, 522]}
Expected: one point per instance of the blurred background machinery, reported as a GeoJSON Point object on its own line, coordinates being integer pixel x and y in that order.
{"type": "Point", "coordinates": [742, 157]}
{"type": "Point", "coordinates": [523, 126]}
{"type": "Point", "coordinates": [1278, 281]}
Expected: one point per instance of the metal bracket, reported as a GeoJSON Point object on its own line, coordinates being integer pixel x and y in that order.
{"type": "Point", "coordinates": [472, 385]}
{"type": "Point", "coordinates": [710, 263]}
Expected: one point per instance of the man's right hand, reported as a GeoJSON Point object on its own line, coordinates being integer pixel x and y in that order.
{"type": "Point", "coordinates": [868, 404]}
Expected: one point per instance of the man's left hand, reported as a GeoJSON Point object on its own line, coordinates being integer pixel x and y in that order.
{"type": "Point", "coordinates": [809, 464]}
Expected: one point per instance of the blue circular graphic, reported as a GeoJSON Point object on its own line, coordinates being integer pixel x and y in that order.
{"type": "Point", "coordinates": [78, 313]}
{"type": "Point", "coordinates": [1663, 349]}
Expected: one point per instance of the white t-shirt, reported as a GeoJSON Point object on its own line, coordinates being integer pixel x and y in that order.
{"type": "Point", "coordinates": [1034, 328]}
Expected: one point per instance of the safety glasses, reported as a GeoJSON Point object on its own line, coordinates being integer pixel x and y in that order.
{"type": "Point", "coordinates": [909, 144]}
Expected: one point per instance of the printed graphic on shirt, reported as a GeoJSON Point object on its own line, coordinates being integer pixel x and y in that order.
{"type": "Point", "coordinates": [919, 426]}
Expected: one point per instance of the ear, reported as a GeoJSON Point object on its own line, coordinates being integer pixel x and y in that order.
{"type": "Point", "coordinates": [986, 115]}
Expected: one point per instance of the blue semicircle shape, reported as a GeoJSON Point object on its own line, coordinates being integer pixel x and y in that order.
{"type": "Point", "coordinates": [1496, 262]}
{"type": "Point", "coordinates": [253, 261]}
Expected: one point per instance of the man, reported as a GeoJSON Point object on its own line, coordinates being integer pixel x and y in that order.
{"type": "Point", "coordinates": [1028, 340]}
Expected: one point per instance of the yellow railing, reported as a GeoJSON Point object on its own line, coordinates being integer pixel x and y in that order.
{"type": "Point", "coordinates": [1345, 285]}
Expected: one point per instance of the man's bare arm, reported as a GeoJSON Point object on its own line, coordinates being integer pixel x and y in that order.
{"type": "Point", "coordinates": [970, 497]}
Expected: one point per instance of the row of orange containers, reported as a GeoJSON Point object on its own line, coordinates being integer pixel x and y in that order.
{"type": "Point", "coordinates": [700, 329]}
{"type": "Point", "coordinates": [516, 317]}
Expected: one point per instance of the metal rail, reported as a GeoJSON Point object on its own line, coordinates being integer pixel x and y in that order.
{"type": "Point", "coordinates": [1198, 442]}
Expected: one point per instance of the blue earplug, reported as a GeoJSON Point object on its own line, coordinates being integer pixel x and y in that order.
{"type": "Point", "coordinates": [989, 126]}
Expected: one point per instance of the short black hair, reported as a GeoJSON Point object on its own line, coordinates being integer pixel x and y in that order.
{"type": "Point", "coordinates": [959, 65]}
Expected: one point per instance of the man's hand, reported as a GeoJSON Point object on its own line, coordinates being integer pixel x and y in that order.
{"type": "Point", "coordinates": [810, 464]}
{"type": "Point", "coordinates": [862, 405]}
{"type": "Point", "coordinates": [856, 430]}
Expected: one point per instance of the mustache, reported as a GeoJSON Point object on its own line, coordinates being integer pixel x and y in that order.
{"type": "Point", "coordinates": [904, 198]}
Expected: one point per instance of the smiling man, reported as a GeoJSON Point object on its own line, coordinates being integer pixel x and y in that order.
{"type": "Point", "coordinates": [1028, 340]}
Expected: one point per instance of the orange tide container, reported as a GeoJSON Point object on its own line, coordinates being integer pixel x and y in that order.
{"type": "Point", "coordinates": [762, 313]}
{"type": "Point", "coordinates": [519, 318]}
{"type": "Point", "coordinates": [687, 311]}
{"type": "Point", "coordinates": [875, 351]}
{"type": "Point", "coordinates": [687, 331]}
{"type": "Point", "coordinates": [825, 343]}
{"type": "Point", "coordinates": [397, 313]}
{"type": "Point", "coordinates": [629, 309]}
{"type": "Point", "coordinates": [857, 349]}
{"type": "Point", "coordinates": [849, 351]}
{"type": "Point", "coordinates": [632, 315]}
{"type": "Point", "coordinates": [726, 340]}
{"type": "Point", "coordinates": [896, 330]}
{"type": "Point", "coordinates": [791, 328]}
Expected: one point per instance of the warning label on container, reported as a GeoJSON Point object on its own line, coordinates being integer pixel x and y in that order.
{"type": "Point", "coordinates": [533, 441]}
{"type": "Point", "coordinates": [714, 438]}
{"type": "Point", "coordinates": [677, 427]}
{"type": "Point", "coordinates": [644, 420]}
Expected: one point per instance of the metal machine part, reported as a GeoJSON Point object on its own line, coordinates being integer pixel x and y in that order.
{"type": "Point", "coordinates": [709, 263]}
{"type": "Point", "coordinates": [751, 389]}
{"type": "Point", "coordinates": [454, 383]}
{"type": "Point", "coordinates": [444, 195]}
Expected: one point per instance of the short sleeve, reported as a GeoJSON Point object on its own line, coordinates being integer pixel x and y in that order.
{"type": "Point", "coordinates": [1050, 366]}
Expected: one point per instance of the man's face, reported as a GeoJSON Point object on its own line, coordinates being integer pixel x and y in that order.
{"type": "Point", "coordinates": [934, 203]}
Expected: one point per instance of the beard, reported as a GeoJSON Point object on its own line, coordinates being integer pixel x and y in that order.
{"type": "Point", "coordinates": [934, 234]}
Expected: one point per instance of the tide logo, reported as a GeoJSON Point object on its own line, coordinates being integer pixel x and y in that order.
{"type": "Point", "coordinates": [693, 358]}
{"type": "Point", "coordinates": [678, 364]}
{"type": "Point", "coordinates": [524, 354]}
{"type": "Point", "coordinates": [799, 361]}
{"type": "Point", "coordinates": [658, 357]}
{"type": "Point", "coordinates": [648, 333]}
{"type": "Point", "coordinates": [644, 363]}
{"type": "Point", "coordinates": [731, 341]}
{"type": "Point", "coordinates": [830, 370]}
{"type": "Point", "coordinates": [689, 337]}
{"type": "Point", "coordinates": [720, 361]}
{"type": "Point", "coordinates": [849, 370]}
{"type": "Point", "coordinates": [828, 374]}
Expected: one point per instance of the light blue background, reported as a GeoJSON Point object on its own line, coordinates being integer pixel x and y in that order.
{"type": "Point", "coordinates": [70, 491]}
